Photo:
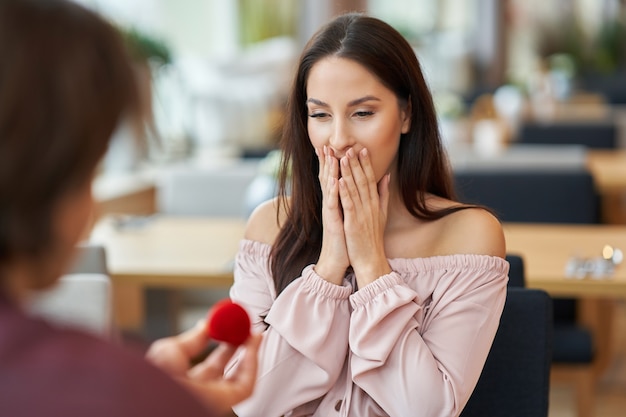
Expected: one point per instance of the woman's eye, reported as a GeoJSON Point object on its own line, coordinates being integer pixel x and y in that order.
{"type": "Point", "coordinates": [363, 114]}
{"type": "Point", "coordinates": [318, 115]}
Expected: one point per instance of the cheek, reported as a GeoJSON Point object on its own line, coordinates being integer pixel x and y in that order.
{"type": "Point", "coordinates": [383, 144]}
{"type": "Point", "coordinates": [383, 162]}
{"type": "Point", "coordinates": [70, 220]}
{"type": "Point", "coordinates": [75, 217]}
{"type": "Point", "coordinates": [316, 135]}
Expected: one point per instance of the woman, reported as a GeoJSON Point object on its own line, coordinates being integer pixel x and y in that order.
{"type": "Point", "coordinates": [379, 294]}
{"type": "Point", "coordinates": [65, 84]}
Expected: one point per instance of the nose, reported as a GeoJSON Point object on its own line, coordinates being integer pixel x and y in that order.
{"type": "Point", "coordinates": [341, 138]}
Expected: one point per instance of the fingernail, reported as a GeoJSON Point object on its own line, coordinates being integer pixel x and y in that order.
{"type": "Point", "coordinates": [350, 153]}
{"type": "Point", "coordinates": [364, 152]}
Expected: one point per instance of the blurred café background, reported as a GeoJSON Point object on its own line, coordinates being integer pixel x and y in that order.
{"type": "Point", "coordinates": [530, 86]}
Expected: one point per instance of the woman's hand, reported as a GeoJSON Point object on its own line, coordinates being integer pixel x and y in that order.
{"type": "Point", "coordinates": [333, 260]}
{"type": "Point", "coordinates": [206, 379]}
{"type": "Point", "coordinates": [365, 215]}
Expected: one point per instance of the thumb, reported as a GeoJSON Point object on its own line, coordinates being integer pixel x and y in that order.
{"type": "Point", "coordinates": [194, 341]}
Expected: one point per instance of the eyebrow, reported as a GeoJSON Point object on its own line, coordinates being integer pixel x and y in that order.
{"type": "Point", "coordinates": [355, 102]}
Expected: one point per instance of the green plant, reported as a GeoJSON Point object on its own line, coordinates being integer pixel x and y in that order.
{"type": "Point", "coordinates": [602, 52]}
{"type": "Point", "coordinates": [610, 47]}
{"type": "Point", "coordinates": [144, 47]}
{"type": "Point", "coordinates": [448, 104]}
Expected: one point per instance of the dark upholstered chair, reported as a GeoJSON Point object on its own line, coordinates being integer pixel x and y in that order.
{"type": "Point", "coordinates": [570, 345]}
{"type": "Point", "coordinates": [517, 277]}
{"type": "Point", "coordinates": [515, 380]}
{"type": "Point", "coordinates": [597, 135]}
{"type": "Point", "coordinates": [547, 196]}
{"type": "Point", "coordinates": [535, 196]}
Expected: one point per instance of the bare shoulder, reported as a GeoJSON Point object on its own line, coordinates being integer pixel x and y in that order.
{"type": "Point", "coordinates": [472, 231]}
{"type": "Point", "coordinates": [263, 224]}
{"type": "Point", "coordinates": [469, 230]}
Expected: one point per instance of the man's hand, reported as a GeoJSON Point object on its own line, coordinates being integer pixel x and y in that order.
{"type": "Point", "coordinates": [206, 379]}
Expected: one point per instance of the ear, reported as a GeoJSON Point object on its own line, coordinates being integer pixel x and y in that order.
{"type": "Point", "coordinates": [405, 113]}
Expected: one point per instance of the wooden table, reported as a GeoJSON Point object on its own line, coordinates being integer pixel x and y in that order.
{"type": "Point", "coordinates": [182, 252]}
{"type": "Point", "coordinates": [166, 251]}
{"type": "Point", "coordinates": [547, 248]}
{"type": "Point", "coordinates": [609, 169]}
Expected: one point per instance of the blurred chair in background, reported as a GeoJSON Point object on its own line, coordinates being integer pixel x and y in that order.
{"type": "Point", "coordinates": [90, 259]}
{"type": "Point", "coordinates": [517, 277]}
{"type": "Point", "coordinates": [515, 380]}
{"type": "Point", "coordinates": [594, 135]}
{"type": "Point", "coordinates": [217, 192]}
{"type": "Point", "coordinates": [83, 297]}
{"type": "Point", "coordinates": [532, 195]}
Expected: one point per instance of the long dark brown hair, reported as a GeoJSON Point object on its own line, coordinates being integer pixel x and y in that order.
{"type": "Point", "coordinates": [422, 162]}
{"type": "Point", "coordinates": [65, 83]}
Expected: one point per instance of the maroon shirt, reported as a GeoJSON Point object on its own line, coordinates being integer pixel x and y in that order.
{"type": "Point", "coordinates": [52, 372]}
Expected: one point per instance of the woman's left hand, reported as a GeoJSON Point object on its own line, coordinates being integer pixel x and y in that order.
{"type": "Point", "coordinates": [364, 205]}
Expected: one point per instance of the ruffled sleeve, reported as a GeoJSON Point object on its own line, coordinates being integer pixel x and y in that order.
{"type": "Point", "coordinates": [305, 333]}
{"type": "Point", "coordinates": [253, 287]}
{"type": "Point", "coordinates": [423, 332]}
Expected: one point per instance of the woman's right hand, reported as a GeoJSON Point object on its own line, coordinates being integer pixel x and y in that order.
{"type": "Point", "coordinates": [333, 260]}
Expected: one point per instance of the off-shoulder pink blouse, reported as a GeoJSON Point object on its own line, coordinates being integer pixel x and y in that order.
{"type": "Point", "coordinates": [412, 343]}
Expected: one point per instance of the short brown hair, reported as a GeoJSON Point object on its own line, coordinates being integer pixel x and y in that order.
{"type": "Point", "coordinates": [65, 83]}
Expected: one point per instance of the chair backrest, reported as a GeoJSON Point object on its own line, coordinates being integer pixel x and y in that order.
{"type": "Point", "coordinates": [529, 195]}
{"type": "Point", "coordinates": [83, 297]}
{"type": "Point", "coordinates": [517, 275]}
{"type": "Point", "coordinates": [90, 259]}
{"type": "Point", "coordinates": [597, 135]}
{"type": "Point", "coordinates": [217, 191]}
{"type": "Point", "coordinates": [515, 380]}
{"type": "Point", "coordinates": [78, 300]}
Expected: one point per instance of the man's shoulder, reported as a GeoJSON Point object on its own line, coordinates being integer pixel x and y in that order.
{"type": "Point", "coordinates": [63, 372]}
